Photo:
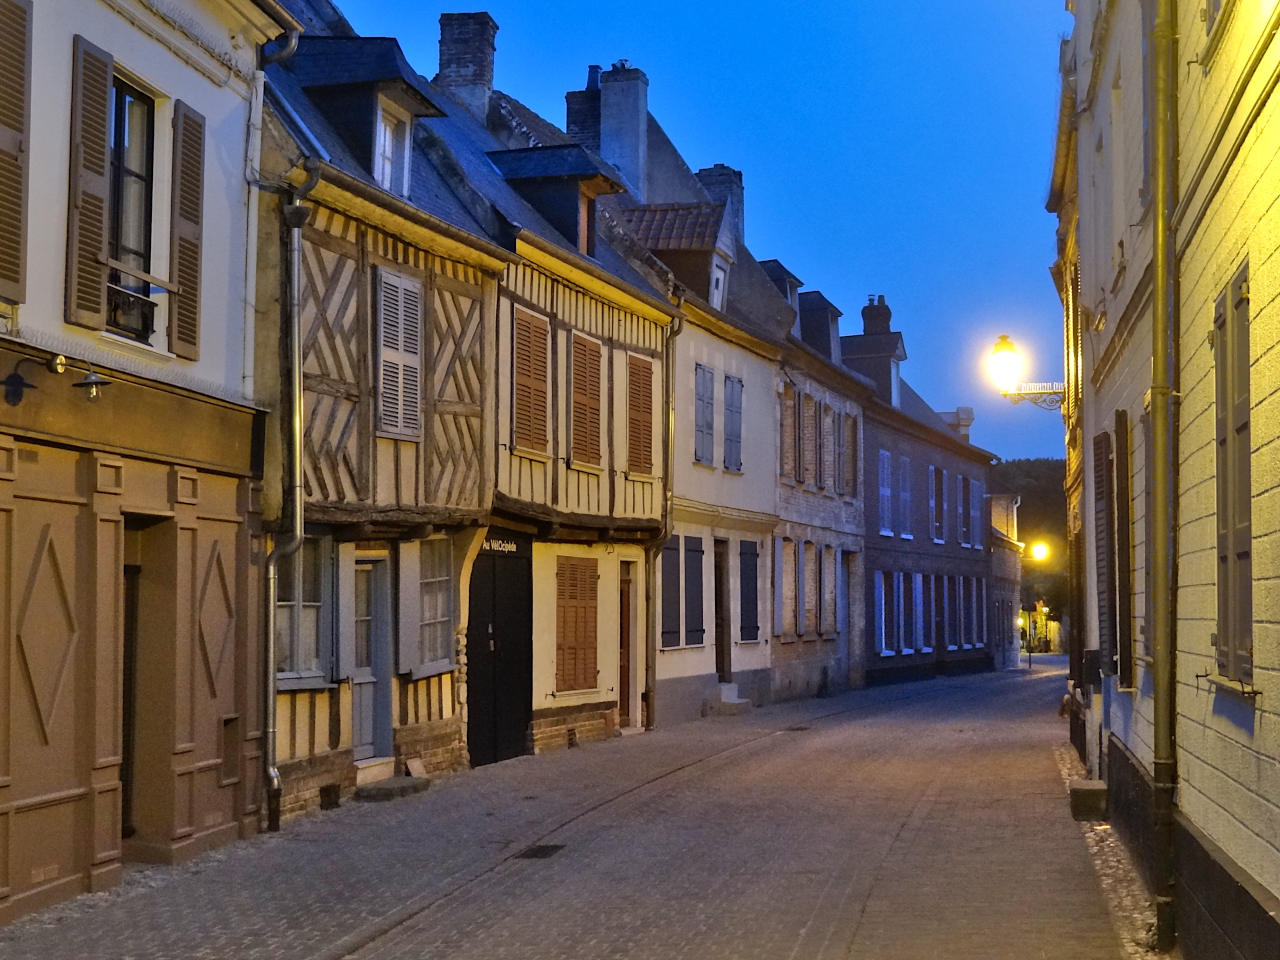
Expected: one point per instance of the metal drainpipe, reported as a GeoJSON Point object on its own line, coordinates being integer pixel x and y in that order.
{"type": "Point", "coordinates": [295, 216]}
{"type": "Point", "coordinates": [651, 551]}
{"type": "Point", "coordinates": [1164, 423]}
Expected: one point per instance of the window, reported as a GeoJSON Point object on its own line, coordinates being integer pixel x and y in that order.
{"type": "Point", "coordinates": [399, 304]}
{"type": "Point", "coordinates": [811, 591]}
{"type": "Point", "coordinates": [822, 471]}
{"type": "Point", "coordinates": [787, 432]}
{"type": "Point", "coordinates": [748, 616]}
{"type": "Point", "coordinates": [953, 613]}
{"type": "Point", "coordinates": [300, 625]}
{"type": "Point", "coordinates": [435, 587]}
{"type": "Point", "coordinates": [904, 498]}
{"type": "Point", "coordinates": [733, 424]}
{"type": "Point", "coordinates": [886, 613]}
{"type": "Point", "coordinates": [909, 618]}
{"type": "Point", "coordinates": [1124, 552]}
{"type": "Point", "coordinates": [827, 591]}
{"type": "Point", "coordinates": [639, 415]}
{"type": "Point", "coordinates": [693, 625]}
{"type": "Point", "coordinates": [938, 503]}
{"type": "Point", "coordinates": [391, 152]}
{"type": "Point", "coordinates": [584, 438]}
{"type": "Point", "coordinates": [575, 623]}
{"type": "Point", "coordinates": [964, 511]}
{"type": "Point", "coordinates": [111, 219]}
{"type": "Point", "coordinates": [718, 284]}
{"type": "Point", "coordinates": [1233, 481]}
{"type": "Point", "coordinates": [926, 627]}
{"type": "Point", "coordinates": [130, 309]}
{"type": "Point", "coordinates": [529, 388]}
{"type": "Point", "coordinates": [809, 440]}
{"type": "Point", "coordinates": [1104, 549]}
{"type": "Point", "coordinates": [980, 612]}
{"type": "Point", "coordinates": [979, 513]}
{"type": "Point", "coordinates": [787, 578]}
{"type": "Point", "coordinates": [886, 493]}
{"type": "Point", "coordinates": [1212, 10]}
{"type": "Point", "coordinates": [704, 414]}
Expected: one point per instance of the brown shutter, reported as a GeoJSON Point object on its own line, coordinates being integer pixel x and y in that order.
{"type": "Point", "coordinates": [639, 415]}
{"type": "Point", "coordinates": [1104, 550]}
{"type": "Point", "coordinates": [530, 381]}
{"type": "Point", "coordinates": [87, 210]}
{"type": "Point", "coordinates": [1124, 553]}
{"type": "Point", "coordinates": [15, 122]}
{"type": "Point", "coordinates": [585, 441]}
{"type": "Point", "coordinates": [671, 593]}
{"type": "Point", "coordinates": [787, 440]}
{"type": "Point", "coordinates": [575, 623]}
{"type": "Point", "coordinates": [187, 218]}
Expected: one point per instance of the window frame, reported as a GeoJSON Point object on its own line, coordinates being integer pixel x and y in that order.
{"type": "Point", "coordinates": [291, 676]}
{"type": "Point", "coordinates": [118, 287]}
{"type": "Point", "coordinates": [432, 665]}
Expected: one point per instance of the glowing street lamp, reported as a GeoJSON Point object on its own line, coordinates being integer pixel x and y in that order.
{"type": "Point", "coordinates": [1039, 551]}
{"type": "Point", "coordinates": [1005, 367]}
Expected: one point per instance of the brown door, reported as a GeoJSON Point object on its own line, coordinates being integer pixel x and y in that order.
{"type": "Point", "coordinates": [624, 647]}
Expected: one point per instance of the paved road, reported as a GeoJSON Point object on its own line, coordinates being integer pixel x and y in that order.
{"type": "Point", "coordinates": [905, 823]}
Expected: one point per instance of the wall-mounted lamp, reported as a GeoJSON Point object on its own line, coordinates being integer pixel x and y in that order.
{"type": "Point", "coordinates": [92, 382]}
{"type": "Point", "coordinates": [1005, 367]}
{"type": "Point", "coordinates": [15, 384]}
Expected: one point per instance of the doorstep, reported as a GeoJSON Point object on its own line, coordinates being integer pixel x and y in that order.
{"type": "Point", "coordinates": [375, 769]}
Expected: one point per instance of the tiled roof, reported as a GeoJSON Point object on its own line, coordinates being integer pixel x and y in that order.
{"type": "Point", "coordinates": [676, 226]}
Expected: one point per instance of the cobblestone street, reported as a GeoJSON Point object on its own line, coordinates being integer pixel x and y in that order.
{"type": "Point", "coordinates": [916, 821]}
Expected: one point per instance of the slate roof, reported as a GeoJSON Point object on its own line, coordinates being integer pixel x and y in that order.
{"type": "Point", "coordinates": [815, 300]}
{"type": "Point", "coordinates": [560, 160]}
{"type": "Point", "coordinates": [322, 61]}
{"type": "Point", "coordinates": [915, 407]}
{"type": "Point", "coordinates": [776, 271]}
{"type": "Point", "coordinates": [676, 226]}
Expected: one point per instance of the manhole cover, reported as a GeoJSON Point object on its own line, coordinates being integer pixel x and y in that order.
{"type": "Point", "coordinates": [539, 851]}
{"type": "Point", "coordinates": [798, 727]}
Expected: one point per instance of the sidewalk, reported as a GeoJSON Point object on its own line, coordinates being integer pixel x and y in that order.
{"type": "Point", "coordinates": [332, 883]}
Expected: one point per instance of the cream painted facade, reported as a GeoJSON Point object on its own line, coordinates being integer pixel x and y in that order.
{"type": "Point", "coordinates": [134, 729]}
{"type": "Point", "coordinates": [720, 508]}
{"type": "Point", "coordinates": [1224, 234]}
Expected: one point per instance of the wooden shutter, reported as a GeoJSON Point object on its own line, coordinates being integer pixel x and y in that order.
{"type": "Point", "coordinates": [408, 570]}
{"type": "Point", "coordinates": [886, 491]}
{"type": "Point", "coordinates": [1222, 429]}
{"type": "Point", "coordinates": [747, 591]}
{"type": "Point", "coordinates": [399, 354]}
{"type": "Point", "coordinates": [671, 592]}
{"type": "Point", "coordinates": [802, 598]}
{"type": "Point", "coordinates": [809, 439]}
{"type": "Point", "coordinates": [841, 479]}
{"type": "Point", "coordinates": [704, 414]}
{"type": "Point", "coordinates": [851, 456]}
{"type": "Point", "coordinates": [961, 511]}
{"type": "Point", "coordinates": [1104, 550]}
{"type": "Point", "coordinates": [529, 388]}
{"type": "Point", "coordinates": [778, 580]}
{"type": "Point", "coordinates": [585, 440]}
{"type": "Point", "coordinates": [933, 501]}
{"type": "Point", "coordinates": [904, 496]}
{"type": "Point", "coordinates": [1148, 525]}
{"type": "Point", "coordinates": [977, 495]}
{"type": "Point", "coordinates": [942, 507]}
{"type": "Point", "coordinates": [1124, 553]}
{"type": "Point", "coordinates": [344, 578]}
{"type": "Point", "coordinates": [186, 227]}
{"type": "Point", "coordinates": [639, 415]}
{"type": "Point", "coordinates": [732, 423]}
{"type": "Point", "coordinates": [1241, 484]}
{"type": "Point", "coordinates": [787, 433]}
{"type": "Point", "coordinates": [88, 208]}
{"type": "Point", "coordinates": [693, 631]}
{"type": "Point", "coordinates": [575, 623]}
{"type": "Point", "coordinates": [15, 123]}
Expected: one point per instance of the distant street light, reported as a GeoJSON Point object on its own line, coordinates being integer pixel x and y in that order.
{"type": "Point", "coordinates": [1039, 551]}
{"type": "Point", "coordinates": [1005, 366]}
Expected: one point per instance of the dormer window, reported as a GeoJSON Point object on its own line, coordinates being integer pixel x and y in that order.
{"type": "Point", "coordinates": [719, 280]}
{"type": "Point", "coordinates": [391, 151]}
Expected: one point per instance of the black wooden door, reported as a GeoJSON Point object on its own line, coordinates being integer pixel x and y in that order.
{"type": "Point", "coordinates": [499, 657]}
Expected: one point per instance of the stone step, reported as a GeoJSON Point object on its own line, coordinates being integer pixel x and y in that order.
{"type": "Point", "coordinates": [390, 789]}
{"type": "Point", "coordinates": [733, 707]}
{"type": "Point", "coordinates": [728, 691]}
{"type": "Point", "coordinates": [374, 769]}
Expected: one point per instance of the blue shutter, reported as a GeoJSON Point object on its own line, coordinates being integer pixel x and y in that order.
{"type": "Point", "coordinates": [904, 496]}
{"type": "Point", "coordinates": [732, 423]}
{"type": "Point", "coordinates": [886, 492]}
{"type": "Point", "coordinates": [749, 619]}
{"type": "Point", "coordinates": [693, 632]}
{"type": "Point", "coordinates": [671, 593]}
{"type": "Point", "coordinates": [704, 414]}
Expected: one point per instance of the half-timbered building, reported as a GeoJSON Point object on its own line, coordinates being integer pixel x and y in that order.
{"type": "Point", "coordinates": [130, 720]}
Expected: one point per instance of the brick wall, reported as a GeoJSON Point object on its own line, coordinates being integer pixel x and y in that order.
{"type": "Point", "coordinates": [439, 744]}
{"type": "Point", "coordinates": [558, 727]}
{"type": "Point", "coordinates": [304, 778]}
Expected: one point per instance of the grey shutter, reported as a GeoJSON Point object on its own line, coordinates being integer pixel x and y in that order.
{"type": "Point", "coordinates": [15, 163]}
{"type": "Point", "coordinates": [1222, 429]}
{"type": "Point", "coordinates": [961, 519]}
{"type": "Point", "coordinates": [801, 599]}
{"type": "Point", "coordinates": [704, 414]}
{"type": "Point", "coordinates": [1148, 526]}
{"type": "Point", "coordinates": [979, 512]}
{"type": "Point", "coordinates": [693, 630]}
{"type": "Point", "coordinates": [88, 212]}
{"type": "Point", "coordinates": [732, 423]}
{"type": "Point", "coordinates": [399, 354]}
{"type": "Point", "coordinates": [1104, 550]}
{"type": "Point", "coordinates": [671, 593]}
{"type": "Point", "coordinates": [186, 229]}
{"type": "Point", "coordinates": [933, 502]}
{"type": "Point", "coordinates": [408, 632]}
{"type": "Point", "coordinates": [904, 496]}
{"type": "Point", "coordinates": [1124, 553]}
{"type": "Point", "coordinates": [747, 591]}
{"type": "Point", "coordinates": [777, 586]}
{"type": "Point", "coordinates": [886, 491]}
{"type": "Point", "coordinates": [942, 512]}
{"type": "Point", "coordinates": [839, 424]}
{"type": "Point", "coordinates": [344, 611]}
{"type": "Point", "coordinates": [1241, 483]}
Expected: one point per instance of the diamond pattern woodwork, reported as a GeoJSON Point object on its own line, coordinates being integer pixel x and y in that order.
{"type": "Point", "coordinates": [46, 630]}
{"type": "Point", "coordinates": [335, 439]}
{"type": "Point", "coordinates": [217, 621]}
{"type": "Point", "coordinates": [455, 448]}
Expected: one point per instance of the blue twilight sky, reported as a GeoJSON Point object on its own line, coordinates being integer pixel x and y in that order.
{"type": "Point", "coordinates": [895, 148]}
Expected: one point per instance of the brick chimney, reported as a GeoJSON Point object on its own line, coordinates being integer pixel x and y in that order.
{"type": "Point", "coordinates": [959, 420]}
{"type": "Point", "coordinates": [624, 124]}
{"type": "Point", "coordinates": [724, 184]}
{"type": "Point", "coordinates": [466, 59]}
{"type": "Point", "coordinates": [876, 315]}
{"type": "Point", "coordinates": [582, 111]}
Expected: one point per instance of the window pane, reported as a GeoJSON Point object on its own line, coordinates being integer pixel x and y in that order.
{"type": "Point", "coordinates": [284, 622]}
{"type": "Point", "coordinates": [309, 640]}
{"type": "Point", "coordinates": [363, 617]}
